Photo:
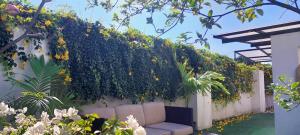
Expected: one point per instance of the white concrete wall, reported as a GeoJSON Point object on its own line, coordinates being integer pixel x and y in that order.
{"type": "Point", "coordinates": [248, 103]}
{"type": "Point", "coordinates": [285, 59]}
{"type": "Point", "coordinates": [269, 101]}
{"type": "Point", "coordinates": [243, 106]}
{"type": "Point", "coordinates": [6, 89]}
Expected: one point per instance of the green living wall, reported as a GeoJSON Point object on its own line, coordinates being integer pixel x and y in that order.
{"type": "Point", "coordinates": [130, 65]}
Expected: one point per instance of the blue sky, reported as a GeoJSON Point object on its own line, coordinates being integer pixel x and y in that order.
{"type": "Point", "coordinates": [272, 15]}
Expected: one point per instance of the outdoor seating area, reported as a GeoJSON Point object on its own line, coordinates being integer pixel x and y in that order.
{"type": "Point", "coordinates": [157, 118]}
{"type": "Point", "coordinates": [109, 67]}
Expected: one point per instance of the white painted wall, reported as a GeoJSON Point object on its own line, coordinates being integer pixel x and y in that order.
{"type": "Point", "coordinates": [205, 111]}
{"type": "Point", "coordinates": [269, 101]}
{"type": "Point", "coordinates": [248, 103]}
{"type": "Point", "coordinates": [243, 106]}
{"type": "Point", "coordinates": [6, 89]}
{"type": "Point", "coordinates": [285, 59]}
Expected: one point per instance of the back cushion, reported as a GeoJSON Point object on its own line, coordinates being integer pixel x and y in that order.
{"type": "Point", "coordinates": [136, 110]}
{"type": "Point", "coordinates": [154, 112]}
{"type": "Point", "coordinates": [102, 112]}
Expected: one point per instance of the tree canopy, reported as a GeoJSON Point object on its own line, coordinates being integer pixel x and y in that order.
{"type": "Point", "coordinates": [175, 12]}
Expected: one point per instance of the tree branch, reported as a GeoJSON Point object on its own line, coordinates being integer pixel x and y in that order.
{"type": "Point", "coordinates": [286, 6]}
{"type": "Point", "coordinates": [296, 4]}
{"type": "Point", "coordinates": [27, 29]}
{"type": "Point", "coordinates": [239, 9]}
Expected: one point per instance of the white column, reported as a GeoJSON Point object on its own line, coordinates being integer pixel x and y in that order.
{"type": "Point", "coordinates": [259, 97]}
{"type": "Point", "coordinates": [285, 59]}
{"type": "Point", "coordinates": [202, 110]}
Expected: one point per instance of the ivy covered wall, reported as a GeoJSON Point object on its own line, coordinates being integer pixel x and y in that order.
{"type": "Point", "coordinates": [103, 62]}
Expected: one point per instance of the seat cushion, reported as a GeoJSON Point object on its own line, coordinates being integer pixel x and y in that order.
{"type": "Point", "coordinates": [136, 110]}
{"type": "Point", "coordinates": [102, 112]}
{"type": "Point", "coordinates": [176, 129]}
{"type": "Point", "coordinates": [154, 112]}
{"type": "Point", "coordinates": [154, 131]}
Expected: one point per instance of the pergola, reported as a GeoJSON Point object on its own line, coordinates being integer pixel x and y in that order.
{"type": "Point", "coordinates": [259, 39]}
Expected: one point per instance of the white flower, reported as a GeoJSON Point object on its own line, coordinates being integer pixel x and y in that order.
{"type": "Point", "coordinates": [4, 109]}
{"type": "Point", "coordinates": [59, 114]}
{"type": "Point", "coordinates": [8, 130]}
{"type": "Point", "coordinates": [73, 114]}
{"type": "Point", "coordinates": [45, 118]}
{"type": "Point", "coordinates": [132, 122]}
{"type": "Point", "coordinates": [97, 132]}
{"type": "Point", "coordinates": [37, 129]}
{"type": "Point", "coordinates": [139, 131]}
{"type": "Point", "coordinates": [21, 119]}
{"type": "Point", "coordinates": [24, 110]}
{"type": "Point", "coordinates": [11, 111]}
{"type": "Point", "coordinates": [56, 130]}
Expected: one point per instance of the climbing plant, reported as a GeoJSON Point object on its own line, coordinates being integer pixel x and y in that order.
{"type": "Point", "coordinates": [102, 62]}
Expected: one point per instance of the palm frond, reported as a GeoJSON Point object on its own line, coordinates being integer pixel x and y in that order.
{"type": "Point", "coordinates": [36, 88]}
{"type": "Point", "coordinates": [192, 84]}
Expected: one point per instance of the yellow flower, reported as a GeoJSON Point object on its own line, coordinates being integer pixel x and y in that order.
{"type": "Point", "coordinates": [88, 30]}
{"type": "Point", "coordinates": [30, 11]}
{"type": "Point", "coordinates": [61, 41]}
{"type": "Point", "coordinates": [8, 29]}
{"type": "Point", "coordinates": [62, 72]}
{"type": "Point", "coordinates": [3, 17]}
{"type": "Point", "coordinates": [28, 19]}
{"type": "Point", "coordinates": [14, 56]}
{"type": "Point", "coordinates": [26, 43]}
{"type": "Point", "coordinates": [68, 79]}
{"type": "Point", "coordinates": [65, 56]}
{"type": "Point", "coordinates": [40, 50]}
{"type": "Point", "coordinates": [2, 6]}
{"type": "Point", "coordinates": [48, 23]}
{"type": "Point", "coordinates": [22, 65]}
{"type": "Point", "coordinates": [57, 56]}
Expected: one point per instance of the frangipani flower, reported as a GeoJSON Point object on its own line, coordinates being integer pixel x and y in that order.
{"type": "Point", "coordinates": [36, 129]}
{"type": "Point", "coordinates": [139, 131]}
{"type": "Point", "coordinates": [5, 110]}
{"type": "Point", "coordinates": [45, 119]}
{"type": "Point", "coordinates": [132, 122]}
{"type": "Point", "coordinates": [9, 130]}
{"type": "Point", "coordinates": [73, 114]}
{"type": "Point", "coordinates": [65, 122]}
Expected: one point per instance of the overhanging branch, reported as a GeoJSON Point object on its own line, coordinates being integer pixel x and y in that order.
{"type": "Point", "coordinates": [27, 29]}
{"type": "Point", "coordinates": [286, 6]}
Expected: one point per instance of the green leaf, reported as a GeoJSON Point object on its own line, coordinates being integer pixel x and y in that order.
{"type": "Point", "coordinates": [295, 85]}
{"type": "Point", "coordinates": [88, 129]}
{"type": "Point", "coordinates": [260, 12]}
{"type": "Point", "coordinates": [210, 13]}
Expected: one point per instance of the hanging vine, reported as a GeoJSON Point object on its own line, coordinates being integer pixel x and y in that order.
{"type": "Point", "coordinates": [103, 62]}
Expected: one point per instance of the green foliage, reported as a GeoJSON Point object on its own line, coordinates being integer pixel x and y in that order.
{"type": "Point", "coordinates": [102, 62]}
{"type": "Point", "coordinates": [286, 93]}
{"type": "Point", "coordinates": [36, 89]}
{"type": "Point", "coordinates": [114, 126]}
{"type": "Point", "coordinates": [200, 84]}
{"type": "Point", "coordinates": [122, 66]}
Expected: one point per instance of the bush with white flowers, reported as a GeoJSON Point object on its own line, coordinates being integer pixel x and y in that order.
{"type": "Point", "coordinates": [64, 122]}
